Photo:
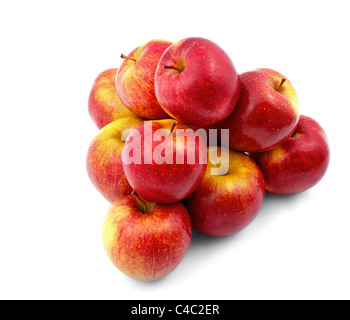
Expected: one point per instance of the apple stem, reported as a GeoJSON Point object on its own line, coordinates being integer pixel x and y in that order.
{"type": "Point", "coordinates": [139, 199]}
{"type": "Point", "coordinates": [281, 84]}
{"type": "Point", "coordinates": [126, 57]}
{"type": "Point", "coordinates": [173, 125]}
{"type": "Point", "coordinates": [171, 67]}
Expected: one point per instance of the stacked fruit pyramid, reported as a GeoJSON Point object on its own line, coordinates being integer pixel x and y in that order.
{"type": "Point", "coordinates": [186, 142]}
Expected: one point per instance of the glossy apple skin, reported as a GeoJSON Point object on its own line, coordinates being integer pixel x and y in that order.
{"type": "Point", "coordinates": [299, 163]}
{"type": "Point", "coordinates": [146, 246]}
{"type": "Point", "coordinates": [263, 118]}
{"type": "Point", "coordinates": [224, 204]}
{"type": "Point", "coordinates": [103, 162]}
{"type": "Point", "coordinates": [164, 183]}
{"type": "Point", "coordinates": [135, 80]}
{"type": "Point", "coordinates": [207, 87]}
{"type": "Point", "coordinates": [104, 103]}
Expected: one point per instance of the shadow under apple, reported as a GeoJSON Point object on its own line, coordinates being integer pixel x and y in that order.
{"type": "Point", "coordinates": [204, 248]}
{"type": "Point", "coordinates": [276, 204]}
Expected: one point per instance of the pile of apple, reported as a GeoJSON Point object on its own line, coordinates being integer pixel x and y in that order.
{"type": "Point", "coordinates": [166, 92]}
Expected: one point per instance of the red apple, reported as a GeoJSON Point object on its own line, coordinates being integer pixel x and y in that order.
{"type": "Point", "coordinates": [135, 80]}
{"type": "Point", "coordinates": [146, 240]}
{"type": "Point", "coordinates": [156, 174]}
{"type": "Point", "coordinates": [104, 103]}
{"type": "Point", "coordinates": [299, 163]}
{"type": "Point", "coordinates": [196, 82]}
{"type": "Point", "coordinates": [266, 114]}
{"type": "Point", "coordinates": [229, 197]}
{"type": "Point", "coordinates": [104, 164]}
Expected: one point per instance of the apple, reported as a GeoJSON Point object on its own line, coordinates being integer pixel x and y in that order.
{"type": "Point", "coordinates": [196, 82]}
{"type": "Point", "coordinates": [229, 196]}
{"type": "Point", "coordinates": [146, 240]}
{"type": "Point", "coordinates": [104, 165]}
{"type": "Point", "coordinates": [135, 80]}
{"type": "Point", "coordinates": [266, 114]}
{"type": "Point", "coordinates": [299, 163]}
{"type": "Point", "coordinates": [169, 164]}
{"type": "Point", "coordinates": [104, 103]}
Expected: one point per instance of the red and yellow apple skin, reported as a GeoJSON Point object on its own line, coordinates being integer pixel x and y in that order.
{"type": "Point", "coordinates": [167, 182]}
{"type": "Point", "coordinates": [266, 114]}
{"type": "Point", "coordinates": [104, 164]}
{"type": "Point", "coordinates": [104, 103]}
{"type": "Point", "coordinates": [196, 82]}
{"type": "Point", "coordinates": [226, 203]}
{"type": "Point", "coordinates": [135, 80]}
{"type": "Point", "coordinates": [299, 163]}
{"type": "Point", "coordinates": [146, 246]}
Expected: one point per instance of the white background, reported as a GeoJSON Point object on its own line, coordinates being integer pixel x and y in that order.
{"type": "Point", "coordinates": [51, 215]}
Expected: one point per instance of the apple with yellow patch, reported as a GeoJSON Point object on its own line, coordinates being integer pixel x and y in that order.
{"type": "Point", "coordinates": [146, 240]}
{"type": "Point", "coordinates": [266, 114]}
{"type": "Point", "coordinates": [104, 164]}
{"type": "Point", "coordinates": [135, 80]}
{"type": "Point", "coordinates": [299, 163]}
{"type": "Point", "coordinates": [104, 103]}
{"type": "Point", "coordinates": [229, 196]}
